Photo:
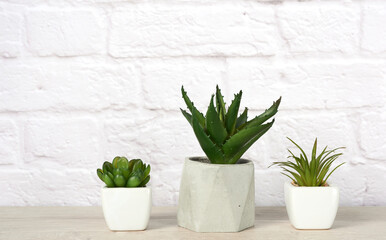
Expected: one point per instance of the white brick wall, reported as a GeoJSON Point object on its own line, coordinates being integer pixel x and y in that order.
{"type": "Point", "coordinates": [84, 81]}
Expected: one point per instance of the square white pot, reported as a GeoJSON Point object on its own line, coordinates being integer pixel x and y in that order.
{"type": "Point", "coordinates": [311, 207]}
{"type": "Point", "coordinates": [126, 209]}
{"type": "Point", "coordinates": [216, 197]}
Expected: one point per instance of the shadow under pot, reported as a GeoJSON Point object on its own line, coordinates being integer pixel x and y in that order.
{"type": "Point", "coordinates": [311, 207]}
{"type": "Point", "coordinates": [216, 197]}
{"type": "Point", "coordinates": [126, 209]}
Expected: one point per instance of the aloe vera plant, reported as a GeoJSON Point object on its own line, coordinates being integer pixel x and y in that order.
{"type": "Point", "coordinates": [312, 171]}
{"type": "Point", "coordinates": [224, 135]}
{"type": "Point", "coordinates": [124, 173]}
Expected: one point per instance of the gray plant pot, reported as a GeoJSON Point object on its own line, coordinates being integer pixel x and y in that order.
{"type": "Point", "coordinates": [216, 197]}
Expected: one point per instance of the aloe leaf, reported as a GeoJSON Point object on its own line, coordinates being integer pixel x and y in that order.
{"type": "Point", "coordinates": [100, 173]}
{"type": "Point", "coordinates": [267, 114]}
{"type": "Point", "coordinates": [212, 151]}
{"type": "Point", "coordinates": [214, 126]}
{"type": "Point", "coordinates": [187, 116]}
{"type": "Point", "coordinates": [192, 108]}
{"type": "Point", "coordinates": [109, 181]}
{"type": "Point", "coordinates": [242, 118]}
{"type": "Point", "coordinates": [239, 143]}
{"type": "Point", "coordinates": [220, 104]}
{"type": "Point", "coordinates": [231, 116]}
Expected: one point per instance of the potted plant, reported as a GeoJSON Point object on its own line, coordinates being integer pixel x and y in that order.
{"type": "Point", "coordinates": [126, 201]}
{"type": "Point", "coordinates": [310, 200]}
{"type": "Point", "coordinates": [217, 192]}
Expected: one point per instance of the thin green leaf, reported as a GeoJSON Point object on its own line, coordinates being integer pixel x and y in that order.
{"type": "Point", "coordinates": [267, 114]}
{"type": "Point", "coordinates": [242, 118]}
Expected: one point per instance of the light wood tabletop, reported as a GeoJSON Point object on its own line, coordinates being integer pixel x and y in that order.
{"type": "Point", "coordinates": [25, 223]}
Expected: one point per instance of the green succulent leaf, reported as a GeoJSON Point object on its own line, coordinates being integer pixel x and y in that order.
{"type": "Point", "coordinates": [212, 151]}
{"type": "Point", "coordinates": [122, 162]}
{"type": "Point", "coordinates": [107, 167]}
{"type": "Point", "coordinates": [242, 118]}
{"type": "Point", "coordinates": [144, 182]}
{"type": "Point", "coordinates": [231, 116]}
{"type": "Point", "coordinates": [220, 104]}
{"type": "Point", "coordinates": [267, 114]}
{"type": "Point", "coordinates": [115, 162]}
{"type": "Point", "coordinates": [239, 143]}
{"type": "Point", "coordinates": [187, 116]}
{"type": "Point", "coordinates": [100, 173]}
{"type": "Point", "coordinates": [109, 181]}
{"type": "Point", "coordinates": [119, 180]}
{"type": "Point", "coordinates": [200, 117]}
{"type": "Point", "coordinates": [214, 125]}
{"type": "Point", "coordinates": [133, 181]}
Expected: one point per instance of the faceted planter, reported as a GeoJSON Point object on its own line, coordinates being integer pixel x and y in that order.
{"type": "Point", "coordinates": [216, 197]}
{"type": "Point", "coordinates": [311, 207]}
{"type": "Point", "coordinates": [126, 209]}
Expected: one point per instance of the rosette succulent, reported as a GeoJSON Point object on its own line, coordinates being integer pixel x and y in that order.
{"type": "Point", "coordinates": [124, 173]}
{"type": "Point", "coordinates": [224, 135]}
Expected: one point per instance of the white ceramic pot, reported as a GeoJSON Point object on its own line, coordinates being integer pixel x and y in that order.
{"type": "Point", "coordinates": [216, 197]}
{"type": "Point", "coordinates": [311, 207]}
{"type": "Point", "coordinates": [126, 209]}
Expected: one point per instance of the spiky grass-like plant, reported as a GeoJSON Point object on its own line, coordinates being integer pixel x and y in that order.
{"type": "Point", "coordinates": [313, 172]}
{"type": "Point", "coordinates": [222, 135]}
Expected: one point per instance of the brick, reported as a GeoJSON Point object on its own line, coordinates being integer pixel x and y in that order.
{"type": "Point", "coordinates": [68, 87]}
{"type": "Point", "coordinates": [308, 86]}
{"type": "Point", "coordinates": [372, 137]}
{"type": "Point", "coordinates": [198, 31]}
{"type": "Point", "coordinates": [57, 143]}
{"type": "Point", "coordinates": [320, 28]}
{"type": "Point", "coordinates": [65, 33]}
{"type": "Point", "coordinates": [162, 81]}
{"type": "Point", "coordinates": [9, 142]}
{"type": "Point", "coordinates": [10, 35]}
{"type": "Point", "coordinates": [373, 27]}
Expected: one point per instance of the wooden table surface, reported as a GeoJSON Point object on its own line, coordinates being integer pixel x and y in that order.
{"type": "Point", "coordinates": [51, 223]}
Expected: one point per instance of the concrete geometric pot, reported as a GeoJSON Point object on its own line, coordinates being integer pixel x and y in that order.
{"type": "Point", "coordinates": [311, 207]}
{"type": "Point", "coordinates": [126, 209]}
{"type": "Point", "coordinates": [216, 197]}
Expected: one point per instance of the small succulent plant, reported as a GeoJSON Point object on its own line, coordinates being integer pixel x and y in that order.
{"type": "Point", "coordinates": [124, 173]}
{"type": "Point", "coordinates": [311, 172]}
{"type": "Point", "coordinates": [223, 135]}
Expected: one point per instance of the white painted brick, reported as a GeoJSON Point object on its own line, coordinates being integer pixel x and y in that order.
{"type": "Point", "coordinates": [372, 135]}
{"type": "Point", "coordinates": [9, 142]}
{"type": "Point", "coordinates": [374, 28]}
{"type": "Point", "coordinates": [10, 34]}
{"type": "Point", "coordinates": [68, 86]}
{"type": "Point", "coordinates": [198, 31]}
{"type": "Point", "coordinates": [320, 28]}
{"type": "Point", "coordinates": [49, 187]}
{"type": "Point", "coordinates": [56, 143]}
{"type": "Point", "coordinates": [162, 81]}
{"type": "Point", "coordinates": [93, 79]}
{"type": "Point", "coordinates": [65, 33]}
{"type": "Point", "coordinates": [309, 86]}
